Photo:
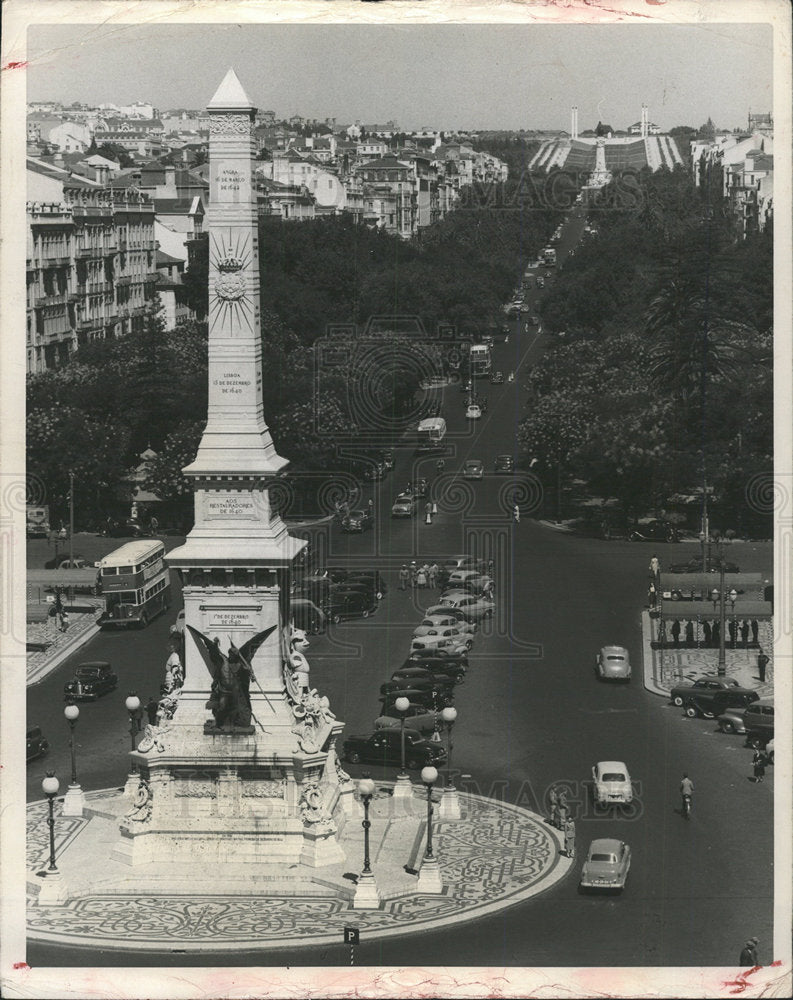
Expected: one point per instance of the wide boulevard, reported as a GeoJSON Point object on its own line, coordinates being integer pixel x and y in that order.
{"type": "Point", "coordinates": [530, 714]}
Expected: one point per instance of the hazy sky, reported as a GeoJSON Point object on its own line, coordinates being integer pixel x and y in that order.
{"type": "Point", "coordinates": [447, 76]}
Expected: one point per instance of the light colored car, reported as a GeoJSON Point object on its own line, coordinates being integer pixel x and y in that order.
{"type": "Point", "coordinates": [456, 621]}
{"type": "Point", "coordinates": [540, 282]}
{"type": "Point", "coordinates": [405, 505]}
{"type": "Point", "coordinates": [473, 411]}
{"type": "Point", "coordinates": [469, 580]}
{"type": "Point", "coordinates": [613, 664]}
{"type": "Point", "coordinates": [612, 783]}
{"type": "Point", "coordinates": [473, 606]}
{"type": "Point", "coordinates": [462, 562]}
{"type": "Point", "coordinates": [417, 717]}
{"type": "Point", "coordinates": [607, 865]}
{"type": "Point", "coordinates": [473, 469]}
{"type": "Point", "coordinates": [443, 638]}
{"type": "Point", "coordinates": [178, 625]}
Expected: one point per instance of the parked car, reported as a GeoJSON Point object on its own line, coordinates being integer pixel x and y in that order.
{"type": "Point", "coordinates": [416, 717]}
{"type": "Point", "coordinates": [306, 615]}
{"type": "Point", "coordinates": [756, 720]}
{"type": "Point", "coordinates": [440, 659]}
{"type": "Point", "coordinates": [474, 606]}
{"type": "Point", "coordinates": [448, 639]}
{"type": "Point", "coordinates": [473, 469]}
{"type": "Point", "coordinates": [178, 625]}
{"type": "Point", "coordinates": [64, 562]}
{"type": "Point", "coordinates": [436, 677]}
{"type": "Point", "coordinates": [613, 663]}
{"type": "Point", "coordinates": [504, 464]}
{"type": "Point", "coordinates": [405, 505]}
{"type": "Point", "coordinates": [130, 528]}
{"type": "Point", "coordinates": [612, 783]}
{"type": "Point", "coordinates": [371, 577]}
{"type": "Point", "coordinates": [357, 520]}
{"type": "Point", "coordinates": [432, 699]}
{"type": "Point", "coordinates": [695, 566]}
{"type": "Point", "coordinates": [473, 411]}
{"type": "Point", "coordinates": [463, 562]}
{"type": "Point", "coordinates": [385, 747]}
{"type": "Point", "coordinates": [470, 580]}
{"type": "Point", "coordinates": [36, 745]}
{"type": "Point", "coordinates": [710, 695]}
{"type": "Point", "coordinates": [439, 667]}
{"type": "Point", "coordinates": [607, 865]}
{"type": "Point", "coordinates": [340, 607]}
{"type": "Point", "coordinates": [654, 531]}
{"type": "Point", "coordinates": [459, 622]}
{"type": "Point", "coordinates": [497, 378]}
{"type": "Point", "coordinates": [445, 611]}
{"type": "Point", "coordinates": [90, 681]}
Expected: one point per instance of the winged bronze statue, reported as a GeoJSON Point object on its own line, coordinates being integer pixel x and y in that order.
{"type": "Point", "coordinates": [231, 673]}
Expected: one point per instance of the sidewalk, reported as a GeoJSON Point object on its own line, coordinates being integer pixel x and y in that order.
{"type": "Point", "coordinates": [82, 628]}
{"type": "Point", "coordinates": [664, 668]}
{"type": "Point", "coordinates": [497, 855]}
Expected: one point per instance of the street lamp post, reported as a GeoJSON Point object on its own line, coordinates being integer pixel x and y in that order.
{"type": "Point", "coordinates": [366, 894]}
{"type": "Point", "coordinates": [430, 874]}
{"type": "Point", "coordinates": [450, 800]}
{"type": "Point", "coordinates": [133, 704]}
{"type": "Point", "coordinates": [74, 799]}
{"type": "Point", "coordinates": [403, 789]}
{"type": "Point", "coordinates": [52, 889]}
{"type": "Point", "coordinates": [71, 520]}
{"type": "Point", "coordinates": [721, 541]}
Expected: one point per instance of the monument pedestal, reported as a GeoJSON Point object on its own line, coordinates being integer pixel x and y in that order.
{"type": "Point", "coordinates": [366, 895]}
{"type": "Point", "coordinates": [53, 891]}
{"type": "Point", "coordinates": [450, 805]}
{"type": "Point", "coordinates": [73, 801]}
{"type": "Point", "coordinates": [430, 876]}
{"type": "Point", "coordinates": [403, 789]}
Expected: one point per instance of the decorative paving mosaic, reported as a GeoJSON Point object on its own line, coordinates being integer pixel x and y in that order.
{"type": "Point", "coordinates": [495, 856]}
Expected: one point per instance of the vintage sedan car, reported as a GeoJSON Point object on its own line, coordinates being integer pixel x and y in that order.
{"type": "Point", "coordinates": [417, 673]}
{"type": "Point", "coordinates": [306, 615]}
{"type": "Point", "coordinates": [439, 618]}
{"type": "Point", "coordinates": [372, 578]}
{"type": "Point", "coordinates": [36, 745]}
{"type": "Point", "coordinates": [469, 580]}
{"type": "Point", "coordinates": [416, 717]}
{"type": "Point", "coordinates": [178, 625]}
{"type": "Point", "coordinates": [405, 505]}
{"type": "Point", "coordinates": [611, 783]}
{"type": "Point", "coordinates": [473, 469]}
{"type": "Point", "coordinates": [432, 699]}
{"type": "Point", "coordinates": [426, 632]}
{"type": "Point", "coordinates": [473, 411]}
{"type": "Point", "coordinates": [710, 695]}
{"type": "Point", "coordinates": [472, 605]}
{"type": "Point", "coordinates": [437, 659]}
{"type": "Point", "coordinates": [607, 865]}
{"type": "Point", "coordinates": [64, 562]}
{"type": "Point", "coordinates": [504, 464]}
{"type": "Point", "coordinates": [695, 566]}
{"type": "Point", "coordinates": [654, 531]}
{"type": "Point", "coordinates": [351, 604]}
{"type": "Point", "coordinates": [357, 521]}
{"type": "Point", "coordinates": [462, 562]}
{"type": "Point", "coordinates": [385, 747]}
{"type": "Point", "coordinates": [757, 721]}
{"type": "Point", "coordinates": [613, 663]}
{"type": "Point", "coordinates": [130, 528]}
{"type": "Point", "coordinates": [540, 281]}
{"type": "Point", "coordinates": [90, 681]}
{"type": "Point", "coordinates": [449, 639]}
{"type": "Point", "coordinates": [497, 378]}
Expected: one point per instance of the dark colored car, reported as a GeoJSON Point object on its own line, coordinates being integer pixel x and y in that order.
{"type": "Point", "coordinates": [432, 699]}
{"type": "Point", "coordinates": [419, 671]}
{"type": "Point", "coordinates": [654, 531]}
{"type": "Point", "coordinates": [357, 520]}
{"type": "Point", "coordinates": [385, 747]}
{"type": "Point", "coordinates": [351, 604]}
{"type": "Point", "coordinates": [306, 615]}
{"type": "Point", "coordinates": [710, 695]}
{"type": "Point", "coordinates": [427, 684]}
{"type": "Point", "coordinates": [373, 579]}
{"type": "Point", "coordinates": [437, 656]}
{"type": "Point", "coordinates": [756, 721]}
{"type": "Point", "coordinates": [695, 566]}
{"type": "Point", "coordinates": [64, 562]}
{"type": "Point", "coordinates": [90, 680]}
{"type": "Point", "coordinates": [363, 587]}
{"type": "Point", "coordinates": [37, 746]}
{"type": "Point", "coordinates": [127, 529]}
{"type": "Point", "coordinates": [504, 464]}
{"type": "Point", "coordinates": [497, 378]}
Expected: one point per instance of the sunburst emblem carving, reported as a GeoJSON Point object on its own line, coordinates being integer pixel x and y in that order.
{"type": "Point", "coordinates": [230, 305]}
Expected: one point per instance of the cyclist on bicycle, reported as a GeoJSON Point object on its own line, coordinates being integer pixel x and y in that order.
{"type": "Point", "coordinates": [439, 465]}
{"type": "Point", "coordinates": [686, 790]}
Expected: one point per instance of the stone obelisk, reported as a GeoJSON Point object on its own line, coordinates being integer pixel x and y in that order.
{"type": "Point", "coordinates": [269, 788]}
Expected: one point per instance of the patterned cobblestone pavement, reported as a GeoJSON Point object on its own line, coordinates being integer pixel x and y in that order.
{"type": "Point", "coordinates": [497, 855]}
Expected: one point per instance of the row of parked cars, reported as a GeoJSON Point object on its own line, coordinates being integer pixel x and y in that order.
{"type": "Point", "coordinates": [436, 663]}
{"type": "Point", "coordinates": [336, 594]}
{"type": "Point", "coordinates": [736, 709]}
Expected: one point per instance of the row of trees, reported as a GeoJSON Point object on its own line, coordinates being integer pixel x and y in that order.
{"type": "Point", "coordinates": [661, 374]}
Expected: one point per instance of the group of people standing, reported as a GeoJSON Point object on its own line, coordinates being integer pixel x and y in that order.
{"type": "Point", "coordinates": [711, 632]}
{"type": "Point", "coordinates": [433, 577]}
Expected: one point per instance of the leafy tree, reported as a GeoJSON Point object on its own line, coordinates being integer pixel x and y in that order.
{"type": "Point", "coordinates": [165, 478]}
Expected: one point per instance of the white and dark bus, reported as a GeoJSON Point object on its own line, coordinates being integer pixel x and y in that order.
{"type": "Point", "coordinates": [135, 584]}
{"type": "Point", "coordinates": [480, 360]}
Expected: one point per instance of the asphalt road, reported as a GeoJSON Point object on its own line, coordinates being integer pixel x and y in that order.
{"type": "Point", "coordinates": [531, 714]}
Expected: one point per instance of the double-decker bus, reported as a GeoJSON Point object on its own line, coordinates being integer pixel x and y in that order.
{"type": "Point", "coordinates": [135, 584]}
{"type": "Point", "coordinates": [549, 256]}
{"type": "Point", "coordinates": [479, 360]}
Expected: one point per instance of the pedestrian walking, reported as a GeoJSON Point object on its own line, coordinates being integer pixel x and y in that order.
{"type": "Point", "coordinates": [733, 630]}
{"type": "Point", "coordinates": [755, 628]}
{"type": "Point", "coordinates": [371, 506]}
{"type": "Point", "coordinates": [762, 663]}
{"type": "Point", "coordinates": [676, 632]}
{"type": "Point", "coordinates": [151, 710]}
{"type": "Point", "coordinates": [413, 573]}
{"type": "Point", "coordinates": [655, 567]}
{"type": "Point", "coordinates": [652, 596]}
{"type": "Point", "coordinates": [421, 578]}
{"type": "Point", "coordinates": [758, 762]}
{"type": "Point", "coordinates": [748, 959]}
{"type": "Point", "coordinates": [440, 465]}
{"type": "Point", "coordinates": [516, 514]}
{"type": "Point", "coordinates": [745, 632]}
{"type": "Point", "coordinates": [553, 802]}
{"type": "Point", "coordinates": [404, 577]}
{"type": "Point", "coordinates": [562, 808]}
{"type": "Point", "coordinates": [716, 633]}
{"type": "Point", "coordinates": [708, 632]}
{"type": "Point", "coordinates": [154, 525]}
{"type": "Point", "coordinates": [487, 589]}
{"type": "Point", "coordinates": [64, 620]}
{"type": "Point", "coordinates": [491, 567]}
{"type": "Point", "coordinates": [569, 838]}
{"type": "Point", "coordinates": [689, 633]}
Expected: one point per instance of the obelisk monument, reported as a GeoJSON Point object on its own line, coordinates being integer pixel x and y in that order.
{"type": "Point", "coordinates": [245, 767]}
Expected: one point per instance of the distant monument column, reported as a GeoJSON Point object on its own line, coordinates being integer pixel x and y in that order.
{"type": "Point", "coordinates": [574, 122]}
{"type": "Point", "coordinates": [242, 765]}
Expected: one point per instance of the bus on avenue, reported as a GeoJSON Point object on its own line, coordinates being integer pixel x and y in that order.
{"type": "Point", "coordinates": [479, 360]}
{"type": "Point", "coordinates": [135, 584]}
